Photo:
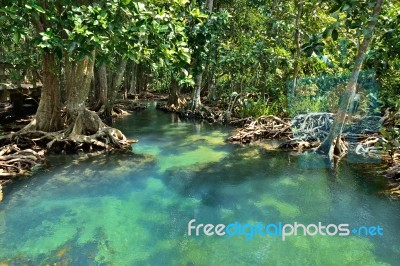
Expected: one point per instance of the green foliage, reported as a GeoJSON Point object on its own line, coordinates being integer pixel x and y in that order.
{"type": "Point", "coordinates": [134, 30]}
{"type": "Point", "coordinates": [391, 134]}
{"type": "Point", "coordinates": [248, 46]}
{"type": "Point", "coordinates": [259, 107]}
{"type": "Point", "coordinates": [308, 104]}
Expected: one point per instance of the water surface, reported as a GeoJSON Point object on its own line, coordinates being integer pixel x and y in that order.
{"type": "Point", "coordinates": [134, 210]}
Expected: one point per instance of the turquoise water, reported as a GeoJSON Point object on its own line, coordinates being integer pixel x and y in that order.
{"type": "Point", "coordinates": [134, 210]}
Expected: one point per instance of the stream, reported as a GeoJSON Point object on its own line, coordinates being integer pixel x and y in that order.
{"type": "Point", "coordinates": [135, 209]}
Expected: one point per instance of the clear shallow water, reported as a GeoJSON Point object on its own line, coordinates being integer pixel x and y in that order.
{"type": "Point", "coordinates": [134, 210]}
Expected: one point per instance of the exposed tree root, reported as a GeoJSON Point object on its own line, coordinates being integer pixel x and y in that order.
{"type": "Point", "coordinates": [121, 108]}
{"type": "Point", "coordinates": [264, 127]}
{"type": "Point", "coordinates": [308, 131]}
{"type": "Point", "coordinates": [368, 147]}
{"type": "Point", "coordinates": [393, 172]}
{"type": "Point", "coordinates": [312, 126]}
{"type": "Point", "coordinates": [212, 114]}
{"type": "Point", "coordinates": [15, 161]}
{"type": "Point", "coordinates": [176, 102]}
{"type": "Point", "coordinates": [22, 150]}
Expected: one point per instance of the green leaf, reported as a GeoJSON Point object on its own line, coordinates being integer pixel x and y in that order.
{"type": "Point", "coordinates": [16, 37]}
{"type": "Point", "coordinates": [38, 8]}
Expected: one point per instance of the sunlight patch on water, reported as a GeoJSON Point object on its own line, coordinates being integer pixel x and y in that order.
{"type": "Point", "coordinates": [286, 210]}
{"type": "Point", "coordinates": [200, 155]}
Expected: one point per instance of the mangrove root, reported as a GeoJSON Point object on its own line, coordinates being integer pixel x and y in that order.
{"type": "Point", "coordinates": [264, 127]}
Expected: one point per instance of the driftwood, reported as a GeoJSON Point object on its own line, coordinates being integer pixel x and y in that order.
{"type": "Point", "coordinates": [264, 127]}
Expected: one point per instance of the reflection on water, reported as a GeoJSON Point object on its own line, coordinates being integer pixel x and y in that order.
{"type": "Point", "coordinates": [134, 210]}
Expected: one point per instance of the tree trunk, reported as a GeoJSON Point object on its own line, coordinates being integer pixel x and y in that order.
{"type": "Point", "coordinates": [100, 95]}
{"type": "Point", "coordinates": [210, 4]}
{"type": "Point", "coordinates": [85, 126]}
{"type": "Point", "coordinates": [212, 89]}
{"type": "Point", "coordinates": [174, 98]}
{"type": "Point", "coordinates": [141, 78]}
{"type": "Point", "coordinates": [48, 115]}
{"type": "Point", "coordinates": [133, 80]}
{"type": "Point", "coordinates": [116, 80]}
{"type": "Point", "coordinates": [196, 102]}
{"type": "Point", "coordinates": [296, 68]}
{"type": "Point", "coordinates": [328, 146]}
{"type": "Point", "coordinates": [102, 79]}
{"type": "Point", "coordinates": [78, 76]}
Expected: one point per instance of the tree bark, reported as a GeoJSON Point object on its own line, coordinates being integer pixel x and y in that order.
{"type": "Point", "coordinates": [210, 4]}
{"type": "Point", "coordinates": [296, 68]}
{"type": "Point", "coordinates": [78, 77]}
{"type": "Point", "coordinates": [133, 80]}
{"type": "Point", "coordinates": [212, 90]}
{"type": "Point", "coordinates": [141, 78]}
{"type": "Point", "coordinates": [102, 79]}
{"type": "Point", "coordinates": [328, 146]}
{"type": "Point", "coordinates": [116, 80]}
{"type": "Point", "coordinates": [196, 102]}
{"type": "Point", "coordinates": [174, 98]}
{"type": "Point", "coordinates": [48, 115]}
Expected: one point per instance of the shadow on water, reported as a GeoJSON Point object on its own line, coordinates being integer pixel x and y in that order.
{"type": "Point", "coordinates": [134, 210]}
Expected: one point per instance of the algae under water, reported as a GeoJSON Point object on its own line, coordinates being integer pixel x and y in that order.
{"type": "Point", "coordinates": [134, 210]}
